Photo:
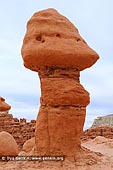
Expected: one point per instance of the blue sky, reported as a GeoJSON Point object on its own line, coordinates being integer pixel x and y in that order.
{"type": "Point", "coordinates": [21, 87]}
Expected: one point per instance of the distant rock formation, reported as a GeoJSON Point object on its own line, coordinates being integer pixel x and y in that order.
{"type": "Point", "coordinates": [8, 145]}
{"type": "Point", "coordinates": [103, 121]}
{"type": "Point", "coordinates": [54, 48]}
{"type": "Point", "coordinates": [92, 133]}
{"type": "Point", "coordinates": [21, 130]}
{"type": "Point", "coordinates": [4, 107]}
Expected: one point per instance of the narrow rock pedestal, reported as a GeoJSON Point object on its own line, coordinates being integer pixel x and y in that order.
{"type": "Point", "coordinates": [62, 112]}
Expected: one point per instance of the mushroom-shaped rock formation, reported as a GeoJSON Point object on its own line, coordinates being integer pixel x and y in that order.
{"type": "Point", "coordinates": [53, 47]}
{"type": "Point", "coordinates": [4, 107]}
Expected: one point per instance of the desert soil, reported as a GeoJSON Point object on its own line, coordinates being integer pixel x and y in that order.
{"type": "Point", "coordinates": [96, 154]}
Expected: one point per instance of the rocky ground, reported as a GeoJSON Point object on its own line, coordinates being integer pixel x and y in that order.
{"type": "Point", "coordinates": [95, 154]}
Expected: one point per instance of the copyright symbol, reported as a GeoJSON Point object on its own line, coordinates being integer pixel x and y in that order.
{"type": "Point", "coordinates": [3, 158]}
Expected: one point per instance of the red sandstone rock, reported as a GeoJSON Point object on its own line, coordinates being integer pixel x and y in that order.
{"type": "Point", "coordinates": [53, 47]}
{"type": "Point", "coordinates": [63, 92]}
{"type": "Point", "coordinates": [8, 145]}
{"type": "Point", "coordinates": [58, 130]}
{"type": "Point", "coordinates": [91, 133]}
{"type": "Point", "coordinates": [4, 106]}
{"type": "Point", "coordinates": [28, 145]}
{"type": "Point", "coordinates": [52, 40]}
{"type": "Point", "coordinates": [22, 153]}
{"type": "Point", "coordinates": [21, 131]}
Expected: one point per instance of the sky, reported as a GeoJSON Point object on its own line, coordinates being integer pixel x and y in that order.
{"type": "Point", "coordinates": [21, 87]}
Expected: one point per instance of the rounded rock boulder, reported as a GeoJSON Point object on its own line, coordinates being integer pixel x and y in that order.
{"type": "Point", "coordinates": [8, 145]}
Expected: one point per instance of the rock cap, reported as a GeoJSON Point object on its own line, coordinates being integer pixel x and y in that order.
{"type": "Point", "coordinates": [52, 40]}
{"type": "Point", "coordinates": [3, 105]}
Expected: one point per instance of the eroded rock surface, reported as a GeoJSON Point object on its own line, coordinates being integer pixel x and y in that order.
{"type": "Point", "coordinates": [54, 48]}
{"type": "Point", "coordinates": [52, 40]}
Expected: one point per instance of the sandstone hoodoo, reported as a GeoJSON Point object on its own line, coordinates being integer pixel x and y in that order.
{"type": "Point", "coordinates": [54, 48]}
{"type": "Point", "coordinates": [4, 107]}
